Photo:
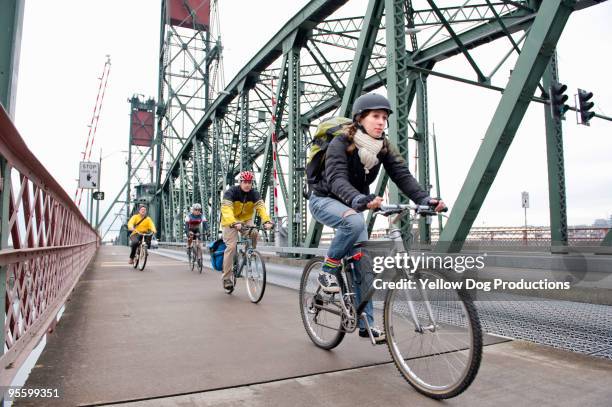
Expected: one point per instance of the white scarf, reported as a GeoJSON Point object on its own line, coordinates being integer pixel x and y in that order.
{"type": "Point", "coordinates": [369, 147]}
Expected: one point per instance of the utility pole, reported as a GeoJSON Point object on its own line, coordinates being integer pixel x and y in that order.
{"type": "Point", "coordinates": [98, 200]}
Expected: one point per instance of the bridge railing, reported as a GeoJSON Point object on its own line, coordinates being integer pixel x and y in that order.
{"type": "Point", "coordinates": [46, 244]}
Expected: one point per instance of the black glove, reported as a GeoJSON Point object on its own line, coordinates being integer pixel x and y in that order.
{"type": "Point", "coordinates": [360, 202]}
{"type": "Point", "coordinates": [425, 201]}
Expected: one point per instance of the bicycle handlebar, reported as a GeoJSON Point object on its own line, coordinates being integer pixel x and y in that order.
{"type": "Point", "coordinates": [247, 227]}
{"type": "Point", "coordinates": [144, 234]}
{"type": "Point", "coordinates": [392, 209]}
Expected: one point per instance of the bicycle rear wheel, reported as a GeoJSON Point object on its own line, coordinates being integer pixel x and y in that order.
{"type": "Point", "coordinates": [143, 257]}
{"type": "Point", "coordinates": [137, 257]}
{"type": "Point", "coordinates": [321, 312]}
{"type": "Point", "coordinates": [441, 358]}
{"type": "Point", "coordinates": [255, 277]}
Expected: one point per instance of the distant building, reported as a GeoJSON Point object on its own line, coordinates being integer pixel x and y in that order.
{"type": "Point", "coordinates": [602, 223]}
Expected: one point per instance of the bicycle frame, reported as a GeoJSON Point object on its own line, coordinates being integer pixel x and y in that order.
{"type": "Point", "coordinates": [247, 246]}
{"type": "Point", "coordinates": [143, 240]}
{"type": "Point", "coordinates": [388, 275]}
{"type": "Point", "coordinates": [197, 241]}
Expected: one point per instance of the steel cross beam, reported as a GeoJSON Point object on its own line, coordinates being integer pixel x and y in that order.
{"type": "Point", "coordinates": [535, 55]}
{"type": "Point", "coordinates": [454, 36]}
{"type": "Point", "coordinates": [325, 68]}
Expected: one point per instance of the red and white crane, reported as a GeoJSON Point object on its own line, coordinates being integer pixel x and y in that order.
{"type": "Point", "coordinates": [93, 125]}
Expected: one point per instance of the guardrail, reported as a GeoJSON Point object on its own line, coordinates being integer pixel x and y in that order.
{"type": "Point", "coordinates": [46, 244]}
{"type": "Point", "coordinates": [538, 238]}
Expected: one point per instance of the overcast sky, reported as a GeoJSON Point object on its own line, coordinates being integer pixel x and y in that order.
{"type": "Point", "coordinates": [63, 53]}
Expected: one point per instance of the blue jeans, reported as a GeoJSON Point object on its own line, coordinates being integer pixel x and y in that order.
{"type": "Point", "coordinates": [350, 229]}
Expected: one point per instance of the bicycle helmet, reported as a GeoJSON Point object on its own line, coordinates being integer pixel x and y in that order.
{"type": "Point", "coordinates": [196, 207]}
{"type": "Point", "coordinates": [246, 176]}
{"type": "Point", "coordinates": [370, 101]}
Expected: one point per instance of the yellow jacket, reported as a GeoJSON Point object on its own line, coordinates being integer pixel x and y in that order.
{"type": "Point", "coordinates": [145, 226]}
{"type": "Point", "coordinates": [239, 206]}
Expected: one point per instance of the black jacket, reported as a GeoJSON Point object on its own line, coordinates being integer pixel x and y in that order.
{"type": "Point", "coordinates": [345, 179]}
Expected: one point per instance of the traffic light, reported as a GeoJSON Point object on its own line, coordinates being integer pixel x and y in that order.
{"type": "Point", "coordinates": [585, 106]}
{"type": "Point", "coordinates": [558, 99]}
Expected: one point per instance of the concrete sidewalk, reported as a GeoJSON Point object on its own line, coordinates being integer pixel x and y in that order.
{"type": "Point", "coordinates": [167, 331]}
{"type": "Point", "coordinates": [512, 374]}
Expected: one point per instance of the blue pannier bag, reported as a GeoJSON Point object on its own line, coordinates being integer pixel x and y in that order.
{"type": "Point", "coordinates": [216, 249]}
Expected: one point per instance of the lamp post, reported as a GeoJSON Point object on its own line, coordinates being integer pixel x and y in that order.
{"type": "Point", "coordinates": [99, 183]}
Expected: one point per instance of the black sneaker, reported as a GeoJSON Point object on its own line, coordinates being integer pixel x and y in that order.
{"type": "Point", "coordinates": [328, 282]}
{"type": "Point", "coordinates": [379, 336]}
{"type": "Point", "coordinates": [228, 285]}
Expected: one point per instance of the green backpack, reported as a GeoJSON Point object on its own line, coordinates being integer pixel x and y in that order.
{"type": "Point", "coordinates": [326, 131]}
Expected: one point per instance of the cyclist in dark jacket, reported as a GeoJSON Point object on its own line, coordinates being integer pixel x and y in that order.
{"type": "Point", "coordinates": [352, 163]}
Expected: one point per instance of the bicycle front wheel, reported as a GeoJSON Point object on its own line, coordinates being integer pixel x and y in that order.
{"type": "Point", "coordinates": [192, 258]}
{"type": "Point", "coordinates": [143, 257]}
{"type": "Point", "coordinates": [433, 335]}
{"type": "Point", "coordinates": [200, 262]}
{"type": "Point", "coordinates": [321, 313]}
{"type": "Point", "coordinates": [255, 277]}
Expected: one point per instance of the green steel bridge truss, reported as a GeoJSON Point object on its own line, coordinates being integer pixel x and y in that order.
{"type": "Point", "coordinates": [316, 65]}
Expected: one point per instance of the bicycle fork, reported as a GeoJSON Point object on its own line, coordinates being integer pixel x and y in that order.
{"type": "Point", "coordinates": [417, 324]}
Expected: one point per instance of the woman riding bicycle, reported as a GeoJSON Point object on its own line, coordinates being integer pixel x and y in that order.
{"type": "Point", "coordinates": [139, 225]}
{"type": "Point", "coordinates": [352, 163]}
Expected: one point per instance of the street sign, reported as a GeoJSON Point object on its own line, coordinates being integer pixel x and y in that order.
{"type": "Point", "coordinates": [98, 196]}
{"type": "Point", "coordinates": [89, 175]}
{"type": "Point", "coordinates": [525, 198]}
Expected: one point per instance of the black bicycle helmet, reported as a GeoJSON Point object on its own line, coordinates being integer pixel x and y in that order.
{"type": "Point", "coordinates": [371, 101]}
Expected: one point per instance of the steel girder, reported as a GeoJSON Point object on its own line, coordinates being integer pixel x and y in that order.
{"type": "Point", "coordinates": [188, 74]}
{"type": "Point", "coordinates": [271, 168]}
{"type": "Point", "coordinates": [488, 31]}
{"type": "Point", "coordinates": [11, 21]}
{"type": "Point", "coordinates": [397, 88]}
{"type": "Point", "coordinates": [535, 56]}
{"type": "Point", "coordinates": [217, 179]}
{"type": "Point", "coordinates": [556, 163]}
{"type": "Point", "coordinates": [183, 85]}
{"type": "Point", "coordinates": [325, 85]}
{"type": "Point", "coordinates": [422, 138]}
{"type": "Point", "coordinates": [372, 74]}
{"type": "Point", "coordinates": [296, 206]}
{"type": "Point", "coordinates": [140, 163]}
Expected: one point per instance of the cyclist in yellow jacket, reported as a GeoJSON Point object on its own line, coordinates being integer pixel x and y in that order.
{"type": "Point", "coordinates": [140, 223]}
{"type": "Point", "coordinates": [238, 206]}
